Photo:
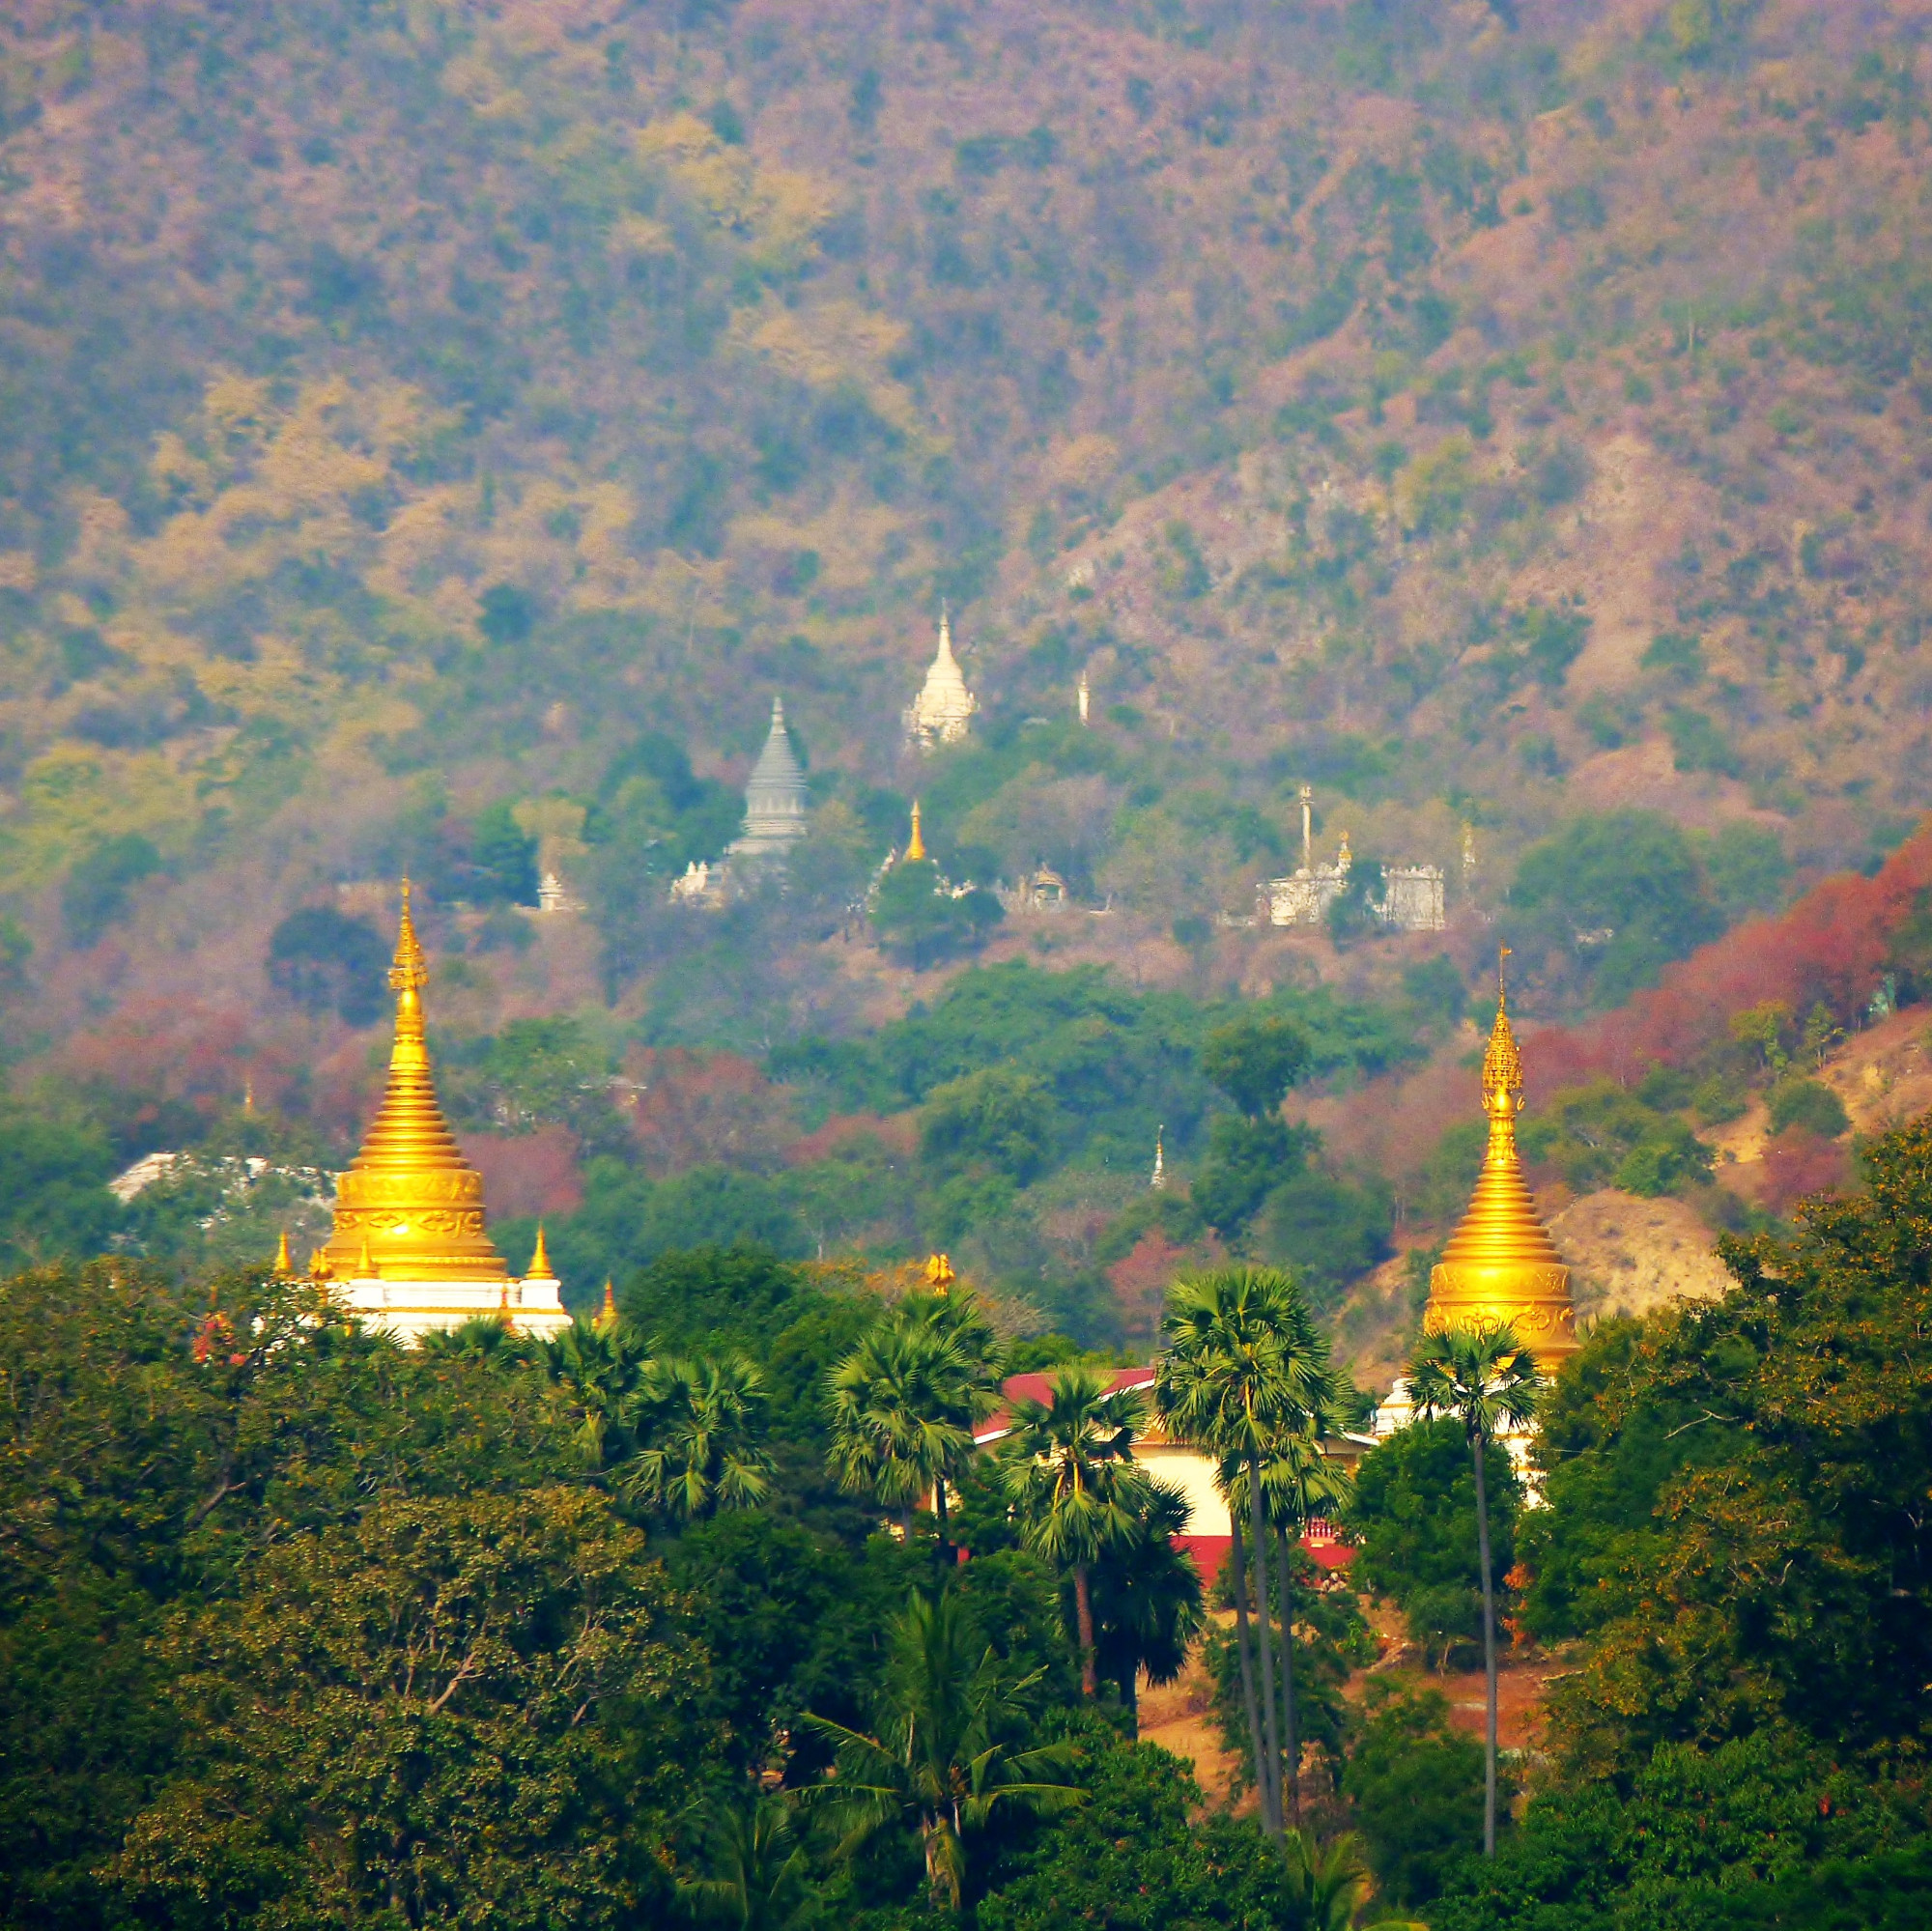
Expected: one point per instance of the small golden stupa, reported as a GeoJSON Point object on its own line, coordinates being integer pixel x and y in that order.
{"type": "Point", "coordinates": [915, 851]}
{"type": "Point", "coordinates": [410, 1246]}
{"type": "Point", "coordinates": [1500, 1264]}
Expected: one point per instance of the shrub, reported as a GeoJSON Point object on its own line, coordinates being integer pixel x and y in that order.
{"type": "Point", "coordinates": [1416, 1785]}
{"type": "Point", "coordinates": [1807, 1105]}
{"type": "Point", "coordinates": [1696, 744]}
{"type": "Point", "coordinates": [1665, 1159]}
{"type": "Point", "coordinates": [1414, 1518]}
{"type": "Point", "coordinates": [323, 961]}
{"type": "Point", "coordinates": [999, 1118]}
{"type": "Point", "coordinates": [503, 859]}
{"type": "Point", "coordinates": [96, 894]}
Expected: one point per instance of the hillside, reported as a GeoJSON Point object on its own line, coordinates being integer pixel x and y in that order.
{"type": "Point", "coordinates": [434, 434]}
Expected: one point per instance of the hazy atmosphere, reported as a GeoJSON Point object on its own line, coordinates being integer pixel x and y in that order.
{"type": "Point", "coordinates": [965, 964]}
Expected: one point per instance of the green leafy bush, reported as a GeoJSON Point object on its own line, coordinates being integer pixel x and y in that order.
{"type": "Point", "coordinates": [97, 890]}
{"type": "Point", "coordinates": [1415, 1786]}
{"type": "Point", "coordinates": [1415, 1519]}
{"type": "Point", "coordinates": [1809, 1105]}
{"type": "Point", "coordinates": [326, 961]}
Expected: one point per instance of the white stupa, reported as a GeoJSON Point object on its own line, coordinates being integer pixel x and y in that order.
{"type": "Point", "coordinates": [774, 800]}
{"type": "Point", "coordinates": [945, 707]}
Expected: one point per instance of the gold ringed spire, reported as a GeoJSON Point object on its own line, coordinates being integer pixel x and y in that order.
{"type": "Point", "coordinates": [1500, 1266]}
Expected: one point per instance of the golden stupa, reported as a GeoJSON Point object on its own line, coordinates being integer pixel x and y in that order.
{"type": "Point", "coordinates": [410, 1246]}
{"type": "Point", "coordinates": [1500, 1264]}
{"type": "Point", "coordinates": [410, 1207]}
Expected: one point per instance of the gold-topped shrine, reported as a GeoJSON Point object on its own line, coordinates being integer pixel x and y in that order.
{"type": "Point", "coordinates": [1500, 1266]}
{"type": "Point", "coordinates": [410, 1249]}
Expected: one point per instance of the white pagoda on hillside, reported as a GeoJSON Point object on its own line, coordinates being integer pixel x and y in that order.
{"type": "Point", "coordinates": [774, 800]}
{"type": "Point", "coordinates": [944, 709]}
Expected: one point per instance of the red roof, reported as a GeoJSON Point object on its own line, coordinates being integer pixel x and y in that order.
{"type": "Point", "coordinates": [1038, 1387]}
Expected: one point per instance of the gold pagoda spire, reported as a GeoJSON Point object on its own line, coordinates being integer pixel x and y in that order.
{"type": "Point", "coordinates": [915, 851]}
{"type": "Point", "coordinates": [607, 1316]}
{"type": "Point", "coordinates": [539, 1268]}
{"type": "Point", "coordinates": [410, 1207]}
{"type": "Point", "coordinates": [283, 1264]}
{"type": "Point", "coordinates": [1500, 1264]}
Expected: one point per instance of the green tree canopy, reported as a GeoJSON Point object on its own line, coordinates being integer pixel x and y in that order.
{"type": "Point", "coordinates": [409, 1716]}
{"type": "Point", "coordinates": [1255, 1060]}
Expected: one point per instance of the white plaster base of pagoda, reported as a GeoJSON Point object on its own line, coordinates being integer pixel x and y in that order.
{"type": "Point", "coordinates": [410, 1308]}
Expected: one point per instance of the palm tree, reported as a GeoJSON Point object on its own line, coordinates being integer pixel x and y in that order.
{"type": "Point", "coordinates": [1298, 1482]}
{"type": "Point", "coordinates": [594, 1373]}
{"type": "Point", "coordinates": [1244, 1365]}
{"type": "Point", "coordinates": [757, 1880]}
{"type": "Point", "coordinates": [1485, 1379]}
{"type": "Point", "coordinates": [1330, 1885]}
{"type": "Point", "coordinates": [903, 1406]}
{"type": "Point", "coordinates": [1147, 1597]}
{"type": "Point", "coordinates": [703, 1451]}
{"type": "Point", "coordinates": [1075, 1486]}
{"type": "Point", "coordinates": [486, 1339]}
{"type": "Point", "coordinates": [949, 1748]}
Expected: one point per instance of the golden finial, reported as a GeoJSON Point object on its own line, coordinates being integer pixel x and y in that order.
{"type": "Point", "coordinates": [608, 1317]}
{"type": "Point", "coordinates": [915, 851]}
{"type": "Point", "coordinates": [409, 968]}
{"type": "Point", "coordinates": [540, 1260]}
{"type": "Point", "coordinates": [283, 1264]}
{"type": "Point", "coordinates": [318, 1263]}
{"type": "Point", "coordinates": [504, 1307]}
{"type": "Point", "coordinates": [939, 1274]}
{"type": "Point", "coordinates": [365, 1261]}
{"type": "Point", "coordinates": [408, 977]}
{"type": "Point", "coordinates": [1500, 1264]}
{"type": "Point", "coordinates": [1502, 1062]}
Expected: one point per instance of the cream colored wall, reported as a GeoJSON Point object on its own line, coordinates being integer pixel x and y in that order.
{"type": "Point", "coordinates": [410, 1308]}
{"type": "Point", "coordinates": [1193, 1474]}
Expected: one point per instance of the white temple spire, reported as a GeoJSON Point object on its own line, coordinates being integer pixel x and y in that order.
{"type": "Point", "coordinates": [944, 708]}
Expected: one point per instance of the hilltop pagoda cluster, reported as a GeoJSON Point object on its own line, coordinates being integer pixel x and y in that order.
{"type": "Point", "coordinates": [777, 802]}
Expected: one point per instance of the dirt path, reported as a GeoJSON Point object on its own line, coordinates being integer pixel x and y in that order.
{"type": "Point", "coordinates": [1180, 1716]}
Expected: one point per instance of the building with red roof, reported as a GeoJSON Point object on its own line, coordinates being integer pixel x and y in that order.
{"type": "Point", "coordinates": [1179, 1465]}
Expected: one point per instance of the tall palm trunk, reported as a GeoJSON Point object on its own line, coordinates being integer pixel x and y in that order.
{"type": "Point", "coordinates": [939, 1521]}
{"type": "Point", "coordinates": [1083, 1612]}
{"type": "Point", "coordinates": [1290, 1745]}
{"type": "Point", "coordinates": [1264, 1634]}
{"type": "Point", "coordinates": [1238, 1558]}
{"type": "Point", "coordinates": [1489, 1651]}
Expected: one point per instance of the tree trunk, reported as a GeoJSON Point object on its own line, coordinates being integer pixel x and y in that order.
{"type": "Point", "coordinates": [939, 1520]}
{"type": "Point", "coordinates": [1083, 1613]}
{"type": "Point", "coordinates": [1264, 1635]}
{"type": "Point", "coordinates": [1291, 1744]}
{"type": "Point", "coordinates": [1489, 1651]}
{"type": "Point", "coordinates": [1238, 1557]}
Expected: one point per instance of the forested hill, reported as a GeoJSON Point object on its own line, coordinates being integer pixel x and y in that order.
{"type": "Point", "coordinates": [1479, 411]}
{"type": "Point", "coordinates": [433, 433]}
